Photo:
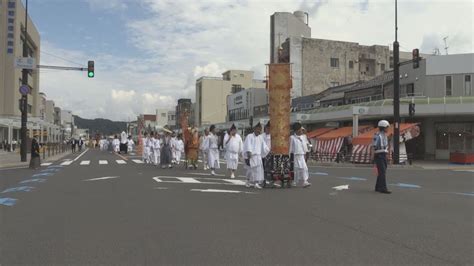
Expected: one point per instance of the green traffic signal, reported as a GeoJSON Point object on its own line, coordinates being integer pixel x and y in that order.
{"type": "Point", "coordinates": [91, 74]}
{"type": "Point", "coordinates": [90, 69]}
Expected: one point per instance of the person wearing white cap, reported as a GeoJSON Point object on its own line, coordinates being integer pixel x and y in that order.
{"type": "Point", "coordinates": [379, 153]}
{"type": "Point", "coordinates": [233, 145]}
{"type": "Point", "coordinates": [298, 148]}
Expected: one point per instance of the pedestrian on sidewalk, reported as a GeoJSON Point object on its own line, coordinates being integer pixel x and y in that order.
{"type": "Point", "coordinates": [379, 153]}
{"type": "Point", "coordinates": [14, 142]}
{"type": "Point", "coordinates": [73, 145]}
{"type": "Point", "coordinates": [35, 161]}
{"type": "Point", "coordinates": [298, 150]}
{"type": "Point", "coordinates": [233, 145]}
{"type": "Point", "coordinates": [213, 150]}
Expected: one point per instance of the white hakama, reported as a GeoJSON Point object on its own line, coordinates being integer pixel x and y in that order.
{"type": "Point", "coordinates": [212, 152]}
{"type": "Point", "coordinates": [116, 144]}
{"type": "Point", "coordinates": [258, 150]}
{"type": "Point", "coordinates": [299, 148]}
{"type": "Point", "coordinates": [130, 144]}
{"type": "Point", "coordinates": [156, 151]}
{"type": "Point", "coordinates": [233, 147]}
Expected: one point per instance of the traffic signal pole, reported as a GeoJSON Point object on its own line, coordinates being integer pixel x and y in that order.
{"type": "Point", "coordinates": [24, 97]}
{"type": "Point", "coordinates": [396, 94]}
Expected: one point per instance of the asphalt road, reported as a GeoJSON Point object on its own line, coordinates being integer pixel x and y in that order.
{"type": "Point", "coordinates": [86, 212]}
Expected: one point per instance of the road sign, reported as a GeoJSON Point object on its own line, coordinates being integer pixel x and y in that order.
{"type": "Point", "coordinates": [25, 63]}
{"type": "Point", "coordinates": [24, 89]}
{"type": "Point", "coordinates": [360, 110]}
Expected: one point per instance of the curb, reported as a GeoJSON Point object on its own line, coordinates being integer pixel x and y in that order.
{"type": "Point", "coordinates": [26, 164]}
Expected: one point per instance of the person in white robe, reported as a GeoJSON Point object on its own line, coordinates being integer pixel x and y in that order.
{"type": "Point", "coordinates": [156, 142]}
{"type": "Point", "coordinates": [149, 145]}
{"type": "Point", "coordinates": [174, 143]}
{"type": "Point", "coordinates": [101, 144]}
{"type": "Point", "coordinates": [255, 149]}
{"type": "Point", "coordinates": [203, 143]}
{"type": "Point", "coordinates": [130, 144]}
{"type": "Point", "coordinates": [179, 149]}
{"type": "Point", "coordinates": [123, 142]}
{"type": "Point", "coordinates": [144, 148]}
{"type": "Point", "coordinates": [299, 148]}
{"type": "Point", "coordinates": [306, 142]}
{"type": "Point", "coordinates": [213, 150]}
{"type": "Point", "coordinates": [116, 144]}
{"type": "Point", "coordinates": [234, 146]}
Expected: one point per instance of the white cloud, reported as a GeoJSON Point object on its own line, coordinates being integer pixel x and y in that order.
{"type": "Point", "coordinates": [182, 40]}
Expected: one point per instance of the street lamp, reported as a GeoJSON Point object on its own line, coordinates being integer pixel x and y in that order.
{"type": "Point", "coordinates": [396, 93]}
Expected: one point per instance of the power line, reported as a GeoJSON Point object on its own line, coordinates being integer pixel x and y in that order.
{"type": "Point", "coordinates": [62, 58]}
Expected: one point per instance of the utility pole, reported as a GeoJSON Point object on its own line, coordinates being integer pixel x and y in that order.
{"type": "Point", "coordinates": [396, 93]}
{"type": "Point", "coordinates": [24, 97]}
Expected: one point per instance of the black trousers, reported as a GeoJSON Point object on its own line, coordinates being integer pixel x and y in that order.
{"type": "Point", "coordinates": [381, 162]}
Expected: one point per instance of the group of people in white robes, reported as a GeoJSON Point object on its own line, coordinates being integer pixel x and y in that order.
{"type": "Point", "coordinates": [164, 151]}
{"type": "Point", "coordinates": [151, 148]}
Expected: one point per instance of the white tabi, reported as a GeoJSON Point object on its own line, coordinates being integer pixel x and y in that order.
{"type": "Point", "coordinates": [233, 148]}
{"type": "Point", "coordinates": [299, 148]}
{"type": "Point", "coordinates": [258, 149]}
{"type": "Point", "coordinates": [156, 146]}
{"type": "Point", "coordinates": [179, 150]}
{"type": "Point", "coordinates": [212, 149]}
{"type": "Point", "coordinates": [116, 144]}
{"type": "Point", "coordinates": [130, 144]}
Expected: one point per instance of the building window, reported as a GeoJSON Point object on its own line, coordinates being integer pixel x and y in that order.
{"type": "Point", "coordinates": [334, 84]}
{"type": "Point", "coordinates": [351, 64]}
{"type": "Point", "coordinates": [449, 85]}
{"type": "Point", "coordinates": [467, 85]}
{"type": "Point", "coordinates": [391, 62]}
{"type": "Point", "coordinates": [410, 89]}
{"type": "Point", "coordinates": [382, 67]}
{"type": "Point", "coordinates": [236, 88]}
{"type": "Point", "coordinates": [367, 68]}
{"type": "Point", "coordinates": [335, 62]}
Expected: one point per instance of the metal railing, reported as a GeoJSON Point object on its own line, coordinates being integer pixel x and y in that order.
{"type": "Point", "coordinates": [52, 149]}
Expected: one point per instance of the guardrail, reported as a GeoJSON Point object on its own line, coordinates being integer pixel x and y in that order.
{"type": "Point", "coordinates": [343, 157]}
{"type": "Point", "coordinates": [52, 149]}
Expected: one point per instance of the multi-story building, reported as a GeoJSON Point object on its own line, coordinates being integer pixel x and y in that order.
{"type": "Point", "coordinates": [246, 103]}
{"type": "Point", "coordinates": [49, 111]}
{"type": "Point", "coordinates": [12, 37]}
{"type": "Point", "coordinates": [211, 94]}
{"type": "Point", "coordinates": [161, 119]}
{"type": "Point", "coordinates": [172, 119]}
{"type": "Point", "coordinates": [42, 106]}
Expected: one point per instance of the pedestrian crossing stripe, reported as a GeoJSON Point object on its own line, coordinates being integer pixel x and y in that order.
{"type": "Point", "coordinates": [203, 181]}
{"type": "Point", "coordinates": [103, 162]}
{"type": "Point", "coordinates": [121, 162]}
{"type": "Point", "coordinates": [85, 162]}
{"type": "Point", "coordinates": [138, 161]}
{"type": "Point", "coordinates": [46, 164]}
{"type": "Point", "coordinates": [67, 162]}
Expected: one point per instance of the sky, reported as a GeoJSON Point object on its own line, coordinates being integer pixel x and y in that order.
{"type": "Point", "coordinates": [149, 53]}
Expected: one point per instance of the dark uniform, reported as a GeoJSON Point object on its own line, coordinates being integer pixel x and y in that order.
{"type": "Point", "coordinates": [380, 145]}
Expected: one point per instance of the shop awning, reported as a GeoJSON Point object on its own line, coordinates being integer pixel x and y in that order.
{"type": "Point", "coordinates": [318, 132]}
{"type": "Point", "coordinates": [407, 131]}
{"type": "Point", "coordinates": [341, 133]}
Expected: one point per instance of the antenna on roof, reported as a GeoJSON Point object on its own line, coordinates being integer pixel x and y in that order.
{"type": "Point", "coordinates": [446, 44]}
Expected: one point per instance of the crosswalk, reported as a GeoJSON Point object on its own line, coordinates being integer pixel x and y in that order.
{"type": "Point", "coordinates": [90, 163]}
{"type": "Point", "coordinates": [199, 180]}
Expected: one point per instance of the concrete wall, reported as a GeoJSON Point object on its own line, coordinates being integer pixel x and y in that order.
{"type": "Point", "coordinates": [282, 26]}
{"type": "Point", "coordinates": [9, 76]}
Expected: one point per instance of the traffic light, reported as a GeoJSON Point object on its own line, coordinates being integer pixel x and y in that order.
{"type": "Point", "coordinates": [416, 58]}
{"type": "Point", "coordinates": [90, 69]}
{"type": "Point", "coordinates": [411, 109]}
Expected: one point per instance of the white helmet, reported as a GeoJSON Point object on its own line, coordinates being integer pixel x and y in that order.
{"type": "Point", "coordinates": [383, 123]}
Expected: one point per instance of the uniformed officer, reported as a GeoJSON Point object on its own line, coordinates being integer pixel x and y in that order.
{"type": "Point", "coordinates": [380, 152]}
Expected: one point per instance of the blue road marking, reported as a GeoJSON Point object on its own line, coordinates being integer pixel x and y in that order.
{"type": "Point", "coordinates": [354, 178]}
{"type": "Point", "coordinates": [18, 189]}
{"type": "Point", "coordinates": [42, 174]}
{"type": "Point", "coordinates": [55, 166]}
{"type": "Point", "coordinates": [319, 173]}
{"type": "Point", "coordinates": [39, 180]}
{"type": "Point", "coordinates": [51, 170]}
{"type": "Point", "coordinates": [403, 185]}
{"type": "Point", "coordinates": [8, 201]}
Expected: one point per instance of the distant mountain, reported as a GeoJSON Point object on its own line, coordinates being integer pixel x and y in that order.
{"type": "Point", "coordinates": [99, 125]}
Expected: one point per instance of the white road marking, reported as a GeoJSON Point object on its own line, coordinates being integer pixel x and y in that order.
{"type": "Point", "coordinates": [343, 187]}
{"type": "Point", "coordinates": [101, 178]}
{"type": "Point", "coordinates": [206, 174]}
{"type": "Point", "coordinates": [67, 162]}
{"type": "Point", "coordinates": [121, 162]}
{"type": "Point", "coordinates": [85, 162]}
{"type": "Point", "coordinates": [80, 155]}
{"type": "Point", "coordinates": [235, 182]}
{"type": "Point", "coordinates": [221, 191]}
{"type": "Point", "coordinates": [46, 164]}
{"type": "Point", "coordinates": [103, 162]}
{"type": "Point", "coordinates": [188, 180]}
{"type": "Point", "coordinates": [160, 188]}
{"type": "Point", "coordinates": [471, 171]}
{"type": "Point", "coordinates": [137, 161]}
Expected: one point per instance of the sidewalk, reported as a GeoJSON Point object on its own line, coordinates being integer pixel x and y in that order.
{"type": "Point", "coordinates": [429, 165]}
{"type": "Point", "coordinates": [12, 159]}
